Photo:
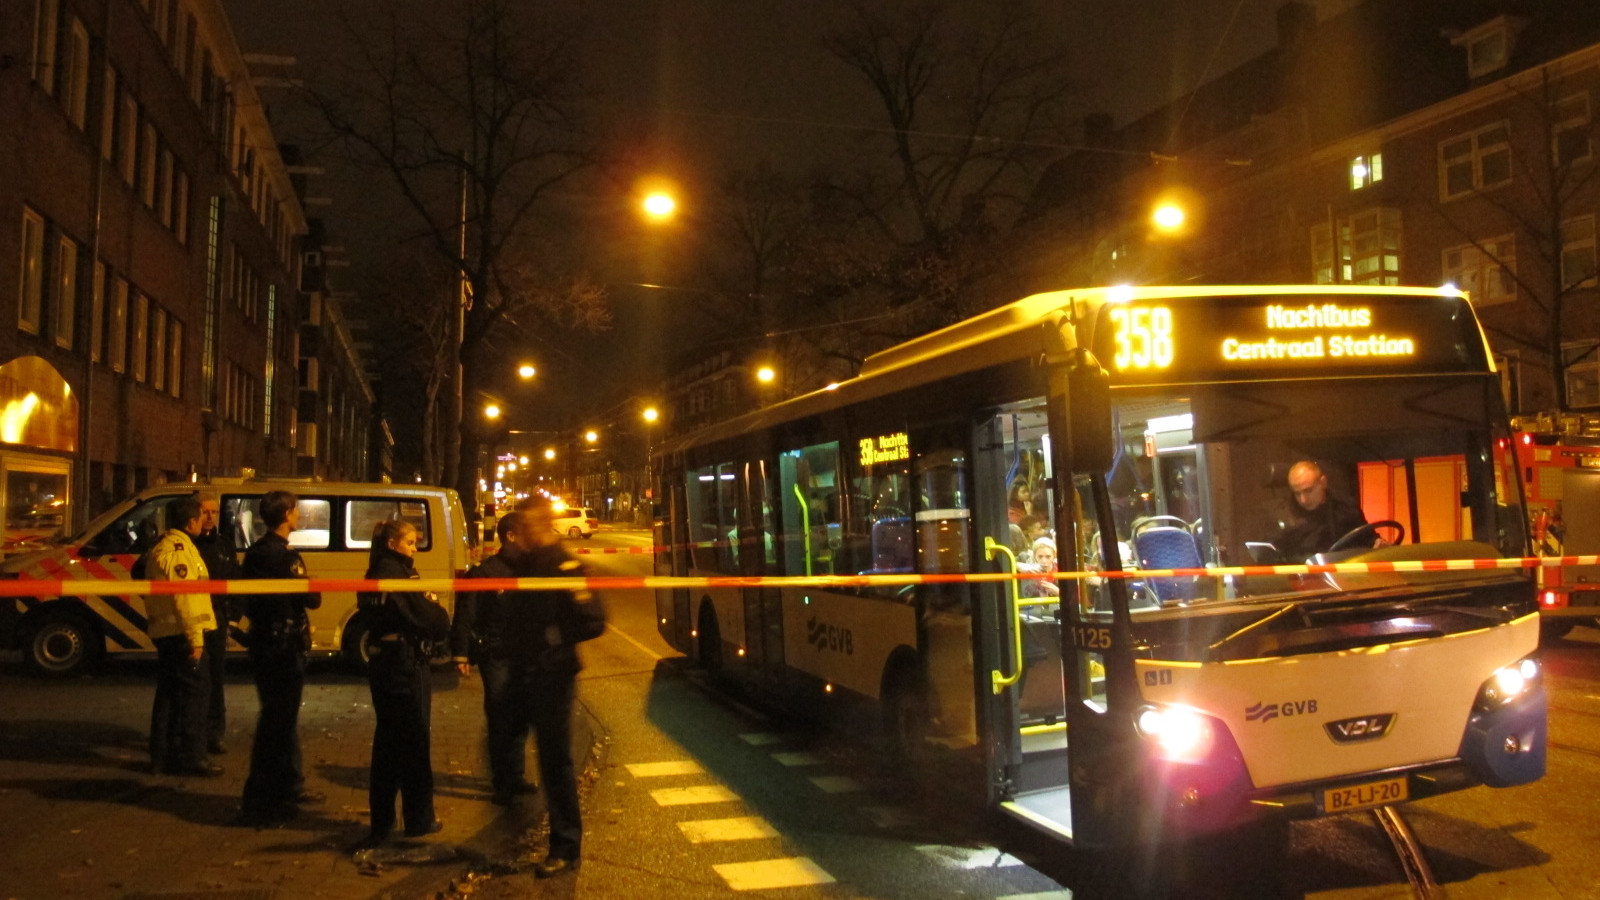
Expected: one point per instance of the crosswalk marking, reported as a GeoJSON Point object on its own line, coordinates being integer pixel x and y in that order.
{"type": "Point", "coordinates": [837, 784]}
{"type": "Point", "coordinates": [761, 739]}
{"type": "Point", "coordinates": [659, 769]}
{"type": "Point", "coordinates": [797, 759]}
{"type": "Point", "coordinates": [743, 828]}
{"type": "Point", "coordinates": [684, 796]}
{"type": "Point", "coordinates": [768, 874]}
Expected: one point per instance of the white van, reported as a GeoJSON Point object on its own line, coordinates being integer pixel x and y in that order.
{"type": "Point", "coordinates": [60, 635]}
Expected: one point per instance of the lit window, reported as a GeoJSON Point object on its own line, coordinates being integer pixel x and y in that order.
{"type": "Point", "coordinates": [1486, 271]}
{"type": "Point", "coordinates": [1578, 262]}
{"type": "Point", "coordinates": [1475, 162]}
{"type": "Point", "coordinates": [1366, 171]}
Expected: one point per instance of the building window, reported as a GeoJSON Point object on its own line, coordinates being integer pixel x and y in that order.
{"type": "Point", "coordinates": [1577, 253]}
{"type": "Point", "coordinates": [147, 165]}
{"type": "Point", "coordinates": [66, 289]}
{"type": "Point", "coordinates": [117, 336]}
{"type": "Point", "coordinates": [180, 189]}
{"type": "Point", "coordinates": [164, 188]}
{"type": "Point", "coordinates": [1487, 53]}
{"type": "Point", "coordinates": [1475, 162]}
{"type": "Point", "coordinates": [1582, 373]}
{"type": "Point", "coordinates": [158, 348]}
{"type": "Point", "coordinates": [30, 292]}
{"type": "Point", "coordinates": [1366, 171]}
{"type": "Point", "coordinates": [128, 137]}
{"type": "Point", "coordinates": [1569, 129]}
{"type": "Point", "coordinates": [175, 360]}
{"type": "Point", "coordinates": [139, 323]}
{"type": "Point", "coordinates": [46, 16]}
{"type": "Point", "coordinates": [75, 76]}
{"type": "Point", "coordinates": [1367, 250]}
{"type": "Point", "coordinates": [97, 312]}
{"type": "Point", "coordinates": [108, 115]}
{"type": "Point", "coordinates": [1487, 271]}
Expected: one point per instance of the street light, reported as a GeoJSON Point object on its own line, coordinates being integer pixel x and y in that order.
{"type": "Point", "coordinates": [526, 371]}
{"type": "Point", "coordinates": [491, 411]}
{"type": "Point", "coordinates": [659, 206]}
{"type": "Point", "coordinates": [1168, 217]}
{"type": "Point", "coordinates": [766, 374]}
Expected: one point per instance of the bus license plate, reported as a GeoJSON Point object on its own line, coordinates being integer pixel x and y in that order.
{"type": "Point", "coordinates": [1365, 796]}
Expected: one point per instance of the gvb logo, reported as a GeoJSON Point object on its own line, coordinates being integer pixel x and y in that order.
{"type": "Point", "coordinates": [1266, 712]}
{"type": "Point", "coordinates": [829, 637]}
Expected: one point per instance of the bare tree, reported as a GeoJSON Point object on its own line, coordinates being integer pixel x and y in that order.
{"type": "Point", "coordinates": [1549, 265]}
{"type": "Point", "coordinates": [468, 107]}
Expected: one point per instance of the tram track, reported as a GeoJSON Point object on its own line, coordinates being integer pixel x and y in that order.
{"type": "Point", "coordinates": [1408, 850]}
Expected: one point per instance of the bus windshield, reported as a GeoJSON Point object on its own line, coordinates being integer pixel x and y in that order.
{"type": "Point", "coordinates": [1284, 472]}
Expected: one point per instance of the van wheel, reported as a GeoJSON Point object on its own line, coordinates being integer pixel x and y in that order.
{"type": "Point", "coordinates": [353, 646]}
{"type": "Point", "coordinates": [62, 645]}
{"type": "Point", "coordinates": [708, 647]}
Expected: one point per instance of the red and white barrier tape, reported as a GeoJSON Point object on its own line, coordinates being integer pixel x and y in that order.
{"type": "Point", "coordinates": [78, 587]}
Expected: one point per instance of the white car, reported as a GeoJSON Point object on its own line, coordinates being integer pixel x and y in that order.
{"type": "Point", "coordinates": [576, 521]}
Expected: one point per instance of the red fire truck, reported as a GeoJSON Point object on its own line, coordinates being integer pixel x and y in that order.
{"type": "Point", "coordinates": [1561, 480]}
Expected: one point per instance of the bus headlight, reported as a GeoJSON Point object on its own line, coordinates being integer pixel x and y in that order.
{"type": "Point", "coordinates": [1182, 735]}
{"type": "Point", "coordinates": [1509, 683]}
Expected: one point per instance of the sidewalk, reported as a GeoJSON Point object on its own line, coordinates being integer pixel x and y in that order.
{"type": "Point", "coordinates": [85, 819]}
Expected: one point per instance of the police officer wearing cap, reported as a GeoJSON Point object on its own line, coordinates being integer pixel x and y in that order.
{"type": "Point", "coordinates": [178, 624]}
{"type": "Point", "coordinates": [223, 563]}
{"type": "Point", "coordinates": [278, 638]}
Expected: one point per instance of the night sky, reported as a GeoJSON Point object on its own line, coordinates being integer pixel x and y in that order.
{"type": "Point", "coordinates": [709, 84]}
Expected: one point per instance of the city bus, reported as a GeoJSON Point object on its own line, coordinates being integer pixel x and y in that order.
{"type": "Point", "coordinates": [1135, 430]}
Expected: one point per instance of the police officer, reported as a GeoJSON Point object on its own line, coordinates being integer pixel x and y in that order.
{"type": "Point", "coordinates": [223, 563]}
{"type": "Point", "coordinates": [178, 624]}
{"type": "Point", "coordinates": [406, 627]}
{"type": "Point", "coordinates": [479, 639]}
{"type": "Point", "coordinates": [278, 638]}
{"type": "Point", "coordinates": [541, 631]}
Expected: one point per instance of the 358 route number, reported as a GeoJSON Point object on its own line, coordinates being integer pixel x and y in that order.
{"type": "Point", "coordinates": [1143, 337]}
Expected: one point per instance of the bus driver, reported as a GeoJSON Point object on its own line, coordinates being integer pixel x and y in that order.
{"type": "Point", "coordinates": [1319, 518]}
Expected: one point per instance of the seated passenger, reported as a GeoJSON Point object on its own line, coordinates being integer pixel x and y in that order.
{"type": "Point", "coordinates": [1044, 562]}
{"type": "Point", "coordinates": [1320, 519]}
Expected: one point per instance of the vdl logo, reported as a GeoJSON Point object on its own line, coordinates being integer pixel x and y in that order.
{"type": "Point", "coordinates": [1360, 728]}
{"type": "Point", "coordinates": [1266, 712]}
{"type": "Point", "coordinates": [829, 637]}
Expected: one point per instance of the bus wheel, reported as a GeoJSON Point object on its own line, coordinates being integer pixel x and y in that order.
{"type": "Point", "coordinates": [905, 713]}
{"type": "Point", "coordinates": [708, 647]}
{"type": "Point", "coordinates": [61, 645]}
{"type": "Point", "coordinates": [353, 649]}
{"type": "Point", "coordinates": [1555, 629]}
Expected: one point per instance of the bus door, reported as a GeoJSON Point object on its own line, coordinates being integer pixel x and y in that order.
{"type": "Point", "coordinates": [1020, 620]}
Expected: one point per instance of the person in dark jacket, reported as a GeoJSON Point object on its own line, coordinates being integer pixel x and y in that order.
{"type": "Point", "coordinates": [278, 638]}
{"type": "Point", "coordinates": [1320, 518]}
{"type": "Point", "coordinates": [478, 639]}
{"type": "Point", "coordinates": [408, 628]}
{"type": "Point", "coordinates": [540, 631]}
{"type": "Point", "coordinates": [222, 562]}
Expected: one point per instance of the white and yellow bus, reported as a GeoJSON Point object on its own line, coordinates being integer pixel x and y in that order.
{"type": "Point", "coordinates": [1140, 429]}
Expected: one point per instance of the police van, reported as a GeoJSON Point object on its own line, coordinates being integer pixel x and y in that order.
{"type": "Point", "coordinates": [60, 635]}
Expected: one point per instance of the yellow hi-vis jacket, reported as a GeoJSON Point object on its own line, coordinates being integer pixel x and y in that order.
{"type": "Point", "coordinates": [176, 558]}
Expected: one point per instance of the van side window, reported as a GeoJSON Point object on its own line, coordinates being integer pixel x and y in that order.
{"type": "Point", "coordinates": [362, 516]}
{"type": "Point", "coordinates": [242, 517]}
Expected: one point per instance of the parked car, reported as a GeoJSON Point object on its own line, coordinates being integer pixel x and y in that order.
{"type": "Point", "coordinates": [576, 521]}
{"type": "Point", "coordinates": [59, 635]}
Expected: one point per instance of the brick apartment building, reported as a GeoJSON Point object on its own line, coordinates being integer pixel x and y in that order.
{"type": "Point", "coordinates": [151, 241]}
{"type": "Point", "coordinates": [1410, 142]}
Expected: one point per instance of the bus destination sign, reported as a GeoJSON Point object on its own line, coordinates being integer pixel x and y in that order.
{"type": "Point", "coordinates": [885, 448]}
{"type": "Point", "coordinates": [1163, 341]}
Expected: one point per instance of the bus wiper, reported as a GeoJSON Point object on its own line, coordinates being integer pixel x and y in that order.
{"type": "Point", "coordinates": [1280, 612]}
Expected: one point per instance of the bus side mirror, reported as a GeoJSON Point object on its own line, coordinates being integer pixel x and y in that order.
{"type": "Point", "coordinates": [1088, 393]}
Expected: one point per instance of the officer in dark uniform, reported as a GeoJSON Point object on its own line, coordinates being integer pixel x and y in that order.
{"type": "Point", "coordinates": [478, 636]}
{"type": "Point", "coordinates": [222, 562]}
{"type": "Point", "coordinates": [541, 633]}
{"type": "Point", "coordinates": [278, 638]}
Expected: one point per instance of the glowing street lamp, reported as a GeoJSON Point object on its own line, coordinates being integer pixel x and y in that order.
{"type": "Point", "coordinates": [766, 374]}
{"type": "Point", "coordinates": [549, 453]}
{"type": "Point", "coordinates": [491, 411]}
{"type": "Point", "coordinates": [659, 205]}
{"type": "Point", "coordinates": [1168, 217]}
{"type": "Point", "coordinates": [526, 371]}
{"type": "Point", "coordinates": [650, 414]}
{"type": "Point", "coordinates": [591, 436]}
